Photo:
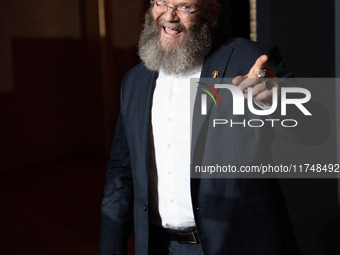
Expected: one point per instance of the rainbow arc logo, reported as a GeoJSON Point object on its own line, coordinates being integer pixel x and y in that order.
{"type": "Point", "coordinates": [209, 93]}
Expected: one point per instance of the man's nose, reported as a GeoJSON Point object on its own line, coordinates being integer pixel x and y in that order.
{"type": "Point", "coordinates": [170, 15]}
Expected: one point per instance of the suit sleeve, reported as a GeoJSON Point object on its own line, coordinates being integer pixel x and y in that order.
{"type": "Point", "coordinates": [311, 130]}
{"type": "Point", "coordinates": [117, 204]}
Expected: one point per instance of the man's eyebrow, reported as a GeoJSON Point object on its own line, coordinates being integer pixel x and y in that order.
{"type": "Point", "coordinates": [186, 4]}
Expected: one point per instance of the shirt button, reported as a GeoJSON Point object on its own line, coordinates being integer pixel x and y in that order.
{"type": "Point", "coordinates": [169, 173]}
{"type": "Point", "coordinates": [172, 93]}
{"type": "Point", "coordinates": [172, 200]}
{"type": "Point", "coordinates": [169, 119]}
{"type": "Point", "coordinates": [169, 145]}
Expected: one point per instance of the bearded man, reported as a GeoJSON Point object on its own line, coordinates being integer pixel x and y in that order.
{"type": "Point", "coordinates": [149, 186]}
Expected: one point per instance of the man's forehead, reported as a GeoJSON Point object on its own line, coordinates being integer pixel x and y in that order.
{"type": "Point", "coordinates": [191, 2]}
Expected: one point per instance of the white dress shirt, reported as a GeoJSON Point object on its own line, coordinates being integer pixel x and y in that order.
{"type": "Point", "coordinates": [171, 124]}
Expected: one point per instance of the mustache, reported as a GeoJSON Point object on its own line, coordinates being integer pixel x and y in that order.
{"type": "Point", "coordinates": [172, 25]}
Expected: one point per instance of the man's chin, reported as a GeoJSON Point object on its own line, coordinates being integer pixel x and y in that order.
{"type": "Point", "coordinates": [169, 44]}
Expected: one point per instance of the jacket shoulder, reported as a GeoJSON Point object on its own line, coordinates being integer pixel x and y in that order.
{"type": "Point", "coordinates": [137, 79]}
{"type": "Point", "coordinates": [139, 71]}
{"type": "Point", "coordinates": [250, 48]}
{"type": "Point", "coordinates": [251, 45]}
{"type": "Point", "coordinates": [137, 74]}
{"type": "Point", "coordinates": [246, 52]}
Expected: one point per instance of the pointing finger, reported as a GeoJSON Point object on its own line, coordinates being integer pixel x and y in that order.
{"type": "Point", "coordinates": [261, 63]}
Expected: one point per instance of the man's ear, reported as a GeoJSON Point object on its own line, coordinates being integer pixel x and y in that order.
{"type": "Point", "coordinates": [213, 13]}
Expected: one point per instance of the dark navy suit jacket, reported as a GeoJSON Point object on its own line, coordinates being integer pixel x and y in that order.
{"type": "Point", "coordinates": [233, 216]}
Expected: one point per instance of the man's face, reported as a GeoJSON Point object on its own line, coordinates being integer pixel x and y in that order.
{"type": "Point", "coordinates": [177, 43]}
{"type": "Point", "coordinates": [172, 25]}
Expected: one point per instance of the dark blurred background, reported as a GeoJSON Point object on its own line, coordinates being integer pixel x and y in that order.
{"type": "Point", "coordinates": [61, 64]}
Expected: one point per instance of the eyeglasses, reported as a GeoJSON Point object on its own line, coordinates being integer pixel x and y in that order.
{"type": "Point", "coordinates": [181, 11]}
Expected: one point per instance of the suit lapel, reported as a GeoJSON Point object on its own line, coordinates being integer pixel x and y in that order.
{"type": "Point", "coordinates": [145, 93]}
{"type": "Point", "coordinates": [218, 60]}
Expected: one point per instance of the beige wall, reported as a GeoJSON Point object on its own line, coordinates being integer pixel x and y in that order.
{"type": "Point", "coordinates": [33, 19]}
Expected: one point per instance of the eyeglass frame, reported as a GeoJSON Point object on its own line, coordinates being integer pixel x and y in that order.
{"type": "Point", "coordinates": [174, 8]}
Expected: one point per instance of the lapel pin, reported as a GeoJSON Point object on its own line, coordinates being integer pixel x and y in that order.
{"type": "Point", "coordinates": [215, 74]}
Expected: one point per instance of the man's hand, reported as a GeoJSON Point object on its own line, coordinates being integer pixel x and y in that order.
{"type": "Point", "coordinates": [262, 88]}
